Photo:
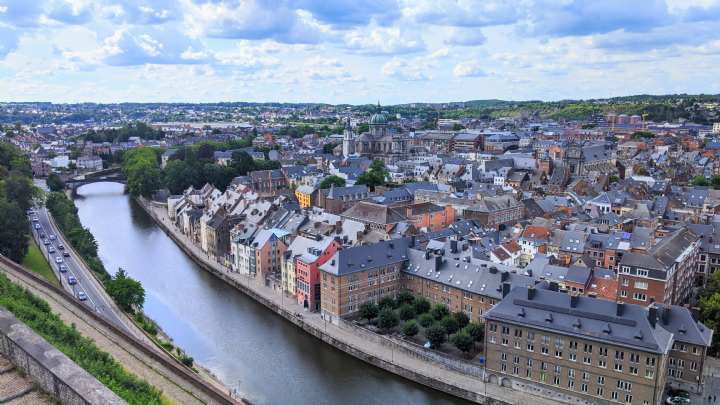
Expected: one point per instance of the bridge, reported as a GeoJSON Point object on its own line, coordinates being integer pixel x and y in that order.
{"type": "Point", "coordinates": [113, 175]}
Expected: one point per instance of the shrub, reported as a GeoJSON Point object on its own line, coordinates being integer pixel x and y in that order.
{"type": "Point", "coordinates": [369, 311]}
{"type": "Point", "coordinates": [410, 328]}
{"type": "Point", "coordinates": [450, 324]}
{"type": "Point", "coordinates": [407, 312]}
{"type": "Point", "coordinates": [461, 318]}
{"type": "Point", "coordinates": [435, 334]}
{"type": "Point", "coordinates": [426, 320]}
{"type": "Point", "coordinates": [463, 341]}
{"type": "Point", "coordinates": [421, 305]}
{"type": "Point", "coordinates": [475, 330]}
{"type": "Point", "coordinates": [405, 297]}
{"type": "Point", "coordinates": [387, 302]}
{"type": "Point", "coordinates": [387, 319]}
{"type": "Point", "coordinates": [439, 311]}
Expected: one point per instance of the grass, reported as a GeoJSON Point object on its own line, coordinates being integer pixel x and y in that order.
{"type": "Point", "coordinates": [35, 261]}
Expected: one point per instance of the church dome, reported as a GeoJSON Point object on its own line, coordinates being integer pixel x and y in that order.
{"type": "Point", "coordinates": [378, 119]}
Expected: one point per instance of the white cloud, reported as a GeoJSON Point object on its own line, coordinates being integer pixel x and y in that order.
{"type": "Point", "coordinates": [384, 41]}
{"type": "Point", "coordinates": [465, 37]}
{"type": "Point", "coordinates": [404, 70]}
{"type": "Point", "coordinates": [468, 69]}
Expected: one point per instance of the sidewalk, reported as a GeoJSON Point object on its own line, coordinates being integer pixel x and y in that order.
{"type": "Point", "coordinates": [385, 353]}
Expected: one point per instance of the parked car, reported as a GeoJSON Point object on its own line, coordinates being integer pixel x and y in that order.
{"type": "Point", "coordinates": [61, 247]}
{"type": "Point", "coordinates": [678, 397]}
{"type": "Point", "coordinates": [43, 236]}
{"type": "Point", "coordinates": [35, 219]}
{"type": "Point", "coordinates": [58, 259]}
{"type": "Point", "coordinates": [72, 280]}
{"type": "Point", "coordinates": [46, 242]}
{"type": "Point", "coordinates": [66, 254]}
{"type": "Point", "coordinates": [52, 237]}
{"type": "Point", "coordinates": [51, 249]}
{"type": "Point", "coordinates": [63, 268]}
{"type": "Point", "coordinates": [37, 226]}
{"type": "Point", "coordinates": [81, 296]}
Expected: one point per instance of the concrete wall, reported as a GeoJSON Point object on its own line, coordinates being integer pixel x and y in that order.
{"type": "Point", "coordinates": [50, 369]}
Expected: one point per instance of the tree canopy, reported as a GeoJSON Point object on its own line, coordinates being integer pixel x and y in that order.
{"type": "Point", "coordinates": [375, 176]}
{"type": "Point", "coordinates": [332, 180]}
{"type": "Point", "coordinates": [128, 293]}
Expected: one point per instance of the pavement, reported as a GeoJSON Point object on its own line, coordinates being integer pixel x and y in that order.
{"type": "Point", "coordinates": [388, 354]}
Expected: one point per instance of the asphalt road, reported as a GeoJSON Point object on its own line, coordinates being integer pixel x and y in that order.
{"type": "Point", "coordinates": [97, 299]}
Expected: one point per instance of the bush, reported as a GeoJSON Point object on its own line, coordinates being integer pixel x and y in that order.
{"type": "Point", "coordinates": [369, 311]}
{"type": "Point", "coordinates": [435, 334]}
{"type": "Point", "coordinates": [461, 318]}
{"type": "Point", "coordinates": [387, 302]}
{"type": "Point", "coordinates": [405, 297]}
{"type": "Point", "coordinates": [450, 324]}
{"type": "Point", "coordinates": [439, 311]}
{"type": "Point", "coordinates": [421, 305]}
{"type": "Point", "coordinates": [463, 341]}
{"type": "Point", "coordinates": [475, 330]}
{"type": "Point", "coordinates": [407, 312]}
{"type": "Point", "coordinates": [410, 328]}
{"type": "Point", "coordinates": [426, 320]}
{"type": "Point", "coordinates": [387, 319]}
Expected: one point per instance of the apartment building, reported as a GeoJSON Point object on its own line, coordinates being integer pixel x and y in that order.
{"type": "Point", "coordinates": [585, 350]}
{"type": "Point", "coordinates": [305, 254]}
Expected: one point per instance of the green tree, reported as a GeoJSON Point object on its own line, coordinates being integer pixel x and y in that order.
{"type": "Point", "coordinates": [374, 176]}
{"type": "Point", "coordinates": [332, 180]}
{"type": "Point", "coordinates": [463, 341]}
{"type": "Point", "coordinates": [179, 175]}
{"type": "Point", "coordinates": [14, 231]}
{"type": "Point", "coordinates": [142, 171]}
{"type": "Point", "coordinates": [387, 302]}
{"type": "Point", "coordinates": [328, 147]}
{"type": "Point", "coordinates": [405, 297]}
{"type": "Point", "coordinates": [406, 312]}
{"type": "Point", "coordinates": [410, 328]}
{"type": "Point", "coordinates": [699, 181]}
{"type": "Point", "coordinates": [613, 179]}
{"type": "Point", "coordinates": [450, 324]}
{"type": "Point", "coordinates": [715, 182]}
{"type": "Point", "coordinates": [426, 320]}
{"type": "Point", "coordinates": [55, 183]}
{"type": "Point", "coordinates": [20, 189]}
{"type": "Point", "coordinates": [457, 127]}
{"type": "Point", "coordinates": [436, 335]}
{"type": "Point", "coordinates": [128, 293]}
{"type": "Point", "coordinates": [369, 311]}
{"type": "Point", "coordinates": [206, 151]}
{"type": "Point", "coordinates": [439, 311]}
{"type": "Point", "coordinates": [461, 318]}
{"type": "Point", "coordinates": [421, 305]}
{"type": "Point", "coordinates": [387, 319]}
{"type": "Point", "coordinates": [476, 330]}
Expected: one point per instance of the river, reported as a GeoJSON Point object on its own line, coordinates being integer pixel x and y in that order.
{"type": "Point", "coordinates": [248, 347]}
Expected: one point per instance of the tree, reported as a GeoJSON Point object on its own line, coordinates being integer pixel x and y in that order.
{"type": "Point", "coordinates": [206, 151]}
{"type": "Point", "coordinates": [332, 180]}
{"type": "Point", "coordinates": [406, 312]}
{"type": "Point", "coordinates": [421, 305]}
{"type": "Point", "coordinates": [463, 341]}
{"type": "Point", "coordinates": [699, 181]}
{"type": "Point", "coordinates": [457, 127]}
{"type": "Point", "coordinates": [613, 179]}
{"type": "Point", "coordinates": [328, 147]}
{"type": "Point", "coordinates": [436, 335]}
{"type": "Point", "coordinates": [426, 320]}
{"type": "Point", "coordinates": [20, 189]}
{"type": "Point", "coordinates": [142, 171]}
{"type": "Point", "coordinates": [55, 183]}
{"type": "Point", "coordinates": [386, 302]}
{"type": "Point", "coordinates": [369, 311]}
{"type": "Point", "coordinates": [710, 316]}
{"type": "Point", "coordinates": [128, 293]}
{"type": "Point", "coordinates": [410, 328]}
{"type": "Point", "coordinates": [642, 135]}
{"type": "Point", "coordinates": [715, 182]}
{"type": "Point", "coordinates": [439, 311]}
{"type": "Point", "coordinates": [375, 176]}
{"type": "Point", "coordinates": [450, 324]}
{"type": "Point", "coordinates": [387, 319]}
{"type": "Point", "coordinates": [14, 231]}
{"type": "Point", "coordinates": [405, 297]}
{"type": "Point", "coordinates": [476, 330]}
{"type": "Point", "coordinates": [179, 175]}
{"type": "Point", "coordinates": [461, 318]}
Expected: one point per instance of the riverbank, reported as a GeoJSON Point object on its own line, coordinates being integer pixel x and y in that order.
{"type": "Point", "coordinates": [376, 350]}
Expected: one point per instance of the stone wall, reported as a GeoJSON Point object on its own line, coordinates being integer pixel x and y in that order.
{"type": "Point", "coordinates": [51, 370]}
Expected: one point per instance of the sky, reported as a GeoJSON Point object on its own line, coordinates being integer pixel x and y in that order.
{"type": "Point", "coordinates": [354, 51]}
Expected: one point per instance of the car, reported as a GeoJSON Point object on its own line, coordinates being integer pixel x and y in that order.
{"type": "Point", "coordinates": [43, 236]}
{"type": "Point", "coordinates": [51, 249]}
{"type": "Point", "coordinates": [37, 226]}
{"type": "Point", "coordinates": [30, 212]}
{"type": "Point", "coordinates": [81, 296]}
{"type": "Point", "coordinates": [66, 254]}
{"type": "Point", "coordinates": [61, 247]}
{"type": "Point", "coordinates": [72, 280]}
{"type": "Point", "coordinates": [46, 242]}
{"type": "Point", "coordinates": [52, 237]}
{"type": "Point", "coordinates": [677, 401]}
{"type": "Point", "coordinates": [35, 219]}
{"type": "Point", "coordinates": [63, 268]}
{"type": "Point", "coordinates": [58, 259]}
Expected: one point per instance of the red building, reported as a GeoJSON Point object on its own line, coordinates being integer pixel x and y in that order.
{"type": "Point", "coordinates": [309, 253]}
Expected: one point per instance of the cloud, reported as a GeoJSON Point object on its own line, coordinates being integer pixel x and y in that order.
{"type": "Point", "coordinates": [383, 41]}
{"type": "Point", "coordinates": [320, 68]}
{"type": "Point", "coordinates": [71, 12]}
{"type": "Point", "coordinates": [21, 13]}
{"type": "Point", "coordinates": [465, 37]}
{"type": "Point", "coordinates": [251, 19]}
{"type": "Point", "coordinates": [406, 71]}
{"type": "Point", "coordinates": [468, 69]}
{"type": "Point", "coordinates": [351, 13]}
{"type": "Point", "coordinates": [462, 13]}
{"type": "Point", "coordinates": [129, 47]}
{"type": "Point", "coordinates": [8, 41]}
{"type": "Point", "coordinates": [141, 12]}
{"type": "Point", "coordinates": [248, 57]}
{"type": "Point", "coordinates": [679, 34]}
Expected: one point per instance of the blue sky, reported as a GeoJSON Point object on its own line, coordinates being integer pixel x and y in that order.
{"type": "Point", "coordinates": [353, 51]}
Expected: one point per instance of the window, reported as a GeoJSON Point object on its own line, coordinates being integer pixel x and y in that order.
{"type": "Point", "coordinates": [618, 367]}
{"type": "Point", "coordinates": [556, 380]}
{"type": "Point", "coordinates": [602, 351]}
{"type": "Point", "coordinates": [619, 355]}
{"type": "Point", "coordinates": [503, 356]}
{"type": "Point", "coordinates": [584, 387]}
{"type": "Point", "coordinates": [639, 297]}
{"type": "Point", "coordinates": [624, 385]}
{"type": "Point", "coordinates": [504, 341]}
{"type": "Point", "coordinates": [625, 269]}
{"type": "Point", "coordinates": [529, 363]}
{"type": "Point", "coordinates": [558, 369]}
{"type": "Point", "coordinates": [602, 363]}
{"type": "Point", "coordinates": [571, 373]}
{"type": "Point", "coordinates": [588, 348]}
{"type": "Point", "coordinates": [642, 273]}
{"type": "Point", "coordinates": [558, 354]}
{"type": "Point", "coordinates": [518, 333]}
{"type": "Point", "coordinates": [586, 376]}
{"type": "Point", "coordinates": [586, 359]}
{"type": "Point", "coordinates": [614, 395]}
{"type": "Point", "coordinates": [628, 399]}
{"type": "Point", "coordinates": [650, 361]}
{"type": "Point", "coordinates": [601, 380]}
{"type": "Point", "coordinates": [600, 391]}
{"type": "Point", "coordinates": [516, 360]}
{"type": "Point", "coordinates": [530, 347]}
{"type": "Point", "coordinates": [573, 356]}
{"type": "Point", "coordinates": [633, 370]}
{"type": "Point", "coordinates": [649, 373]}
{"type": "Point", "coordinates": [641, 285]}
{"type": "Point", "coordinates": [623, 293]}
{"type": "Point", "coordinates": [544, 350]}
{"type": "Point", "coordinates": [571, 384]}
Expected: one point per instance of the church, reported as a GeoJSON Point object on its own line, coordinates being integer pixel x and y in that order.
{"type": "Point", "coordinates": [380, 142]}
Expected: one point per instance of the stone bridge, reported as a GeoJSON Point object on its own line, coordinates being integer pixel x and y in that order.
{"type": "Point", "coordinates": [113, 175]}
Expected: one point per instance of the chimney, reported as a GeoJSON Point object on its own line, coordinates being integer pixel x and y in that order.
{"type": "Point", "coordinates": [553, 286]}
{"type": "Point", "coordinates": [619, 308]}
{"type": "Point", "coordinates": [665, 315]}
{"type": "Point", "coordinates": [438, 262]}
{"type": "Point", "coordinates": [427, 255]}
{"type": "Point", "coordinates": [412, 241]}
{"type": "Point", "coordinates": [574, 299]}
{"type": "Point", "coordinates": [505, 289]}
{"type": "Point", "coordinates": [504, 276]}
{"type": "Point", "coordinates": [652, 315]}
{"type": "Point", "coordinates": [531, 293]}
{"type": "Point", "coordinates": [453, 246]}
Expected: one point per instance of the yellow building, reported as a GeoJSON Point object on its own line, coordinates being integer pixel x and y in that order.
{"type": "Point", "coordinates": [304, 196]}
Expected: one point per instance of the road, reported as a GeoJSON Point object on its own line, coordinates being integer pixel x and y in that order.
{"type": "Point", "coordinates": [97, 299]}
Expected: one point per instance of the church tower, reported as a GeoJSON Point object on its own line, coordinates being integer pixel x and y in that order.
{"type": "Point", "coordinates": [348, 140]}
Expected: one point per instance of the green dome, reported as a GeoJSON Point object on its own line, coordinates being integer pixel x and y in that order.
{"type": "Point", "coordinates": [378, 118]}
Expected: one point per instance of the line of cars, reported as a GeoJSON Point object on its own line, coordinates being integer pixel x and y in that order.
{"type": "Point", "coordinates": [47, 241]}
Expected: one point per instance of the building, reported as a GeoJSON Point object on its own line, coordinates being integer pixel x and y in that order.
{"type": "Point", "coordinates": [269, 246]}
{"type": "Point", "coordinates": [377, 217]}
{"type": "Point", "coordinates": [429, 216]}
{"type": "Point", "coordinates": [379, 142]}
{"type": "Point", "coordinates": [495, 212]}
{"type": "Point", "coordinates": [92, 163]}
{"type": "Point", "coordinates": [578, 349]}
{"type": "Point", "coordinates": [361, 274]}
{"type": "Point", "coordinates": [267, 182]}
{"type": "Point", "coordinates": [338, 199]}
{"type": "Point", "coordinates": [304, 195]}
{"type": "Point", "coordinates": [308, 252]}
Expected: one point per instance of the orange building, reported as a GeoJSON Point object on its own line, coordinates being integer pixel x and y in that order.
{"type": "Point", "coordinates": [430, 216]}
